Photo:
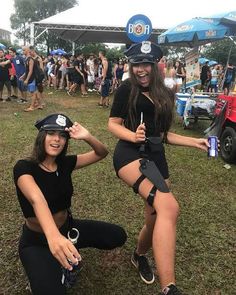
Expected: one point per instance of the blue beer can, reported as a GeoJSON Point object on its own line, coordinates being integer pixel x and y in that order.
{"type": "Point", "coordinates": [213, 148]}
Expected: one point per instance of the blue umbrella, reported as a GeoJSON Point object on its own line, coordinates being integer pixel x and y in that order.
{"type": "Point", "coordinates": [202, 60]}
{"type": "Point", "coordinates": [2, 46]}
{"type": "Point", "coordinates": [58, 51]}
{"type": "Point", "coordinates": [212, 63]}
{"type": "Point", "coordinates": [223, 18]}
{"type": "Point", "coordinates": [228, 19]}
{"type": "Point", "coordinates": [194, 32]}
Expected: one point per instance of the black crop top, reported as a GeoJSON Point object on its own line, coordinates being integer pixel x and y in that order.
{"type": "Point", "coordinates": [120, 109]}
{"type": "Point", "coordinates": [56, 187]}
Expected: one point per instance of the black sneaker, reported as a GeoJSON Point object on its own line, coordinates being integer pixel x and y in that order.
{"type": "Point", "coordinates": [8, 99]}
{"type": "Point", "coordinates": [170, 290]}
{"type": "Point", "coordinates": [142, 264]}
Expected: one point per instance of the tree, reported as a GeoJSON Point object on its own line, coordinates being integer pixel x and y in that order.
{"type": "Point", "coordinates": [219, 51]}
{"type": "Point", "coordinates": [28, 11]}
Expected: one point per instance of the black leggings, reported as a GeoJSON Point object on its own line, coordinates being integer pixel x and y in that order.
{"type": "Point", "coordinates": [42, 268]}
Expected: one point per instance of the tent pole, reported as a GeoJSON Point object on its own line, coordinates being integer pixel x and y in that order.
{"type": "Point", "coordinates": [73, 48]}
{"type": "Point", "coordinates": [32, 33]}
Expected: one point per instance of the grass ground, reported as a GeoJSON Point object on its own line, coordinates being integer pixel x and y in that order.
{"type": "Point", "coordinates": [206, 191]}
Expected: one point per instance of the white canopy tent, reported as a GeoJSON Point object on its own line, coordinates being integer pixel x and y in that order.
{"type": "Point", "coordinates": [102, 21]}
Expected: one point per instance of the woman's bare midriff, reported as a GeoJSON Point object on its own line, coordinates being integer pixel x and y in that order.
{"type": "Point", "coordinates": [59, 218]}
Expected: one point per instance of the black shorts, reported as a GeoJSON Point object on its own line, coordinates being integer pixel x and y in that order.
{"type": "Point", "coordinates": [14, 82]}
{"type": "Point", "coordinates": [105, 88]}
{"type": "Point", "coordinates": [127, 152]}
{"type": "Point", "coordinates": [226, 85]}
{"type": "Point", "coordinates": [7, 83]}
{"type": "Point", "coordinates": [77, 79]}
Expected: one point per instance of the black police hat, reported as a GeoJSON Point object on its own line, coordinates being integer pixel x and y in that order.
{"type": "Point", "coordinates": [145, 52]}
{"type": "Point", "coordinates": [54, 122]}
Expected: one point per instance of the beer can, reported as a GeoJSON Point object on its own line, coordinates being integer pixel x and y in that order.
{"type": "Point", "coordinates": [213, 148]}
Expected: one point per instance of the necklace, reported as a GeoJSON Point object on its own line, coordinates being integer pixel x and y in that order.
{"type": "Point", "coordinates": [50, 170]}
{"type": "Point", "coordinates": [144, 89]}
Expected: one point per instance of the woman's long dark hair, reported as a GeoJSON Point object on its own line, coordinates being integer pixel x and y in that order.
{"type": "Point", "coordinates": [162, 97]}
{"type": "Point", "coordinates": [39, 154]}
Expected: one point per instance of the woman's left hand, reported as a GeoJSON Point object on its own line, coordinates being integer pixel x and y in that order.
{"type": "Point", "coordinates": [77, 131]}
{"type": "Point", "coordinates": [202, 143]}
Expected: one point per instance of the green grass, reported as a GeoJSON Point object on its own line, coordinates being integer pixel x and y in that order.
{"type": "Point", "coordinates": [206, 191]}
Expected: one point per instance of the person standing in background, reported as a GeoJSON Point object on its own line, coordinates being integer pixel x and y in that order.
{"type": "Point", "coordinates": [13, 79]}
{"type": "Point", "coordinates": [125, 70]}
{"type": "Point", "coordinates": [91, 72]}
{"type": "Point", "coordinates": [228, 79]}
{"type": "Point", "coordinates": [5, 65]}
{"type": "Point", "coordinates": [29, 78]}
{"type": "Point", "coordinates": [118, 73]}
{"type": "Point", "coordinates": [170, 76]}
{"type": "Point", "coordinates": [214, 79]}
{"type": "Point", "coordinates": [19, 64]}
{"type": "Point", "coordinates": [106, 79]}
{"type": "Point", "coordinates": [180, 74]}
{"type": "Point", "coordinates": [205, 77]}
{"type": "Point", "coordinates": [162, 65]}
{"type": "Point", "coordinates": [38, 64]}
{"type": "Point", "coordinates": [78, 76]}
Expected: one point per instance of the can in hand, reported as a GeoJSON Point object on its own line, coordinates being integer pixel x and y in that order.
{"type": "Point", "coordinates": [69, 277]}
{"type": "Point", "coordinates": [213, 148]}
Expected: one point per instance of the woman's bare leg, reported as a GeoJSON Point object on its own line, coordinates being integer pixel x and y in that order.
{"type": "Point", "coordinates": [146, 233]}
{"type": "Point", "coordinates": [164, 232]}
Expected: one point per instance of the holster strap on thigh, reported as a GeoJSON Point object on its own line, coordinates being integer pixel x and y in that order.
{"type": "Point", "coordinates": [150, 170]}
{"type": "Point", "coordinates": [137, 183]}
{"type": "Point", "coordinates": [151, 196]}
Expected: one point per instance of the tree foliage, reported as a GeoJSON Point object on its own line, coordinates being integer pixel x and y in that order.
{"type": "Point", "coordinates": [28, 11]}
{"type": "Point", "coordinates": [220, 50]}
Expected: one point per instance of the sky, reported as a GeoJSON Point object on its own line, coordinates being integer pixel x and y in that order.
{"type": "Point", "coordinates": [169, 13]}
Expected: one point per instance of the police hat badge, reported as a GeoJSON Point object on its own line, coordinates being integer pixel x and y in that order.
{"type": "Point", "coordinates": [57, 122]}
{"type": "Point", "coordinates": [145, 52]}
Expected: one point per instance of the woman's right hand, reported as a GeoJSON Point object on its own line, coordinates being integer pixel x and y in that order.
{"type": "Point", "coordinates": [64, 251]}
{"type": "Point", "coordinates": [140, 134]}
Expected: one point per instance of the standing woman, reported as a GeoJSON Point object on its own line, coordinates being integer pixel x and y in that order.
{"type": "Point", "coordinates": [118, 72]}
{"type": "Point", "coordinates": [125, 71]}
{"type": "Point", "coordinates": [180, 74]}
{"type": "Point", "coordinates": [44, 189]}
{"type": "Point", "coordinates": [170, 76]}
{"type": "Point", "coordinates": [140, 118]}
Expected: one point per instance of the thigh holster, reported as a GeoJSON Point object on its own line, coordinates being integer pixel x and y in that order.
{"type": "Point", "coordinates": [150, 171]}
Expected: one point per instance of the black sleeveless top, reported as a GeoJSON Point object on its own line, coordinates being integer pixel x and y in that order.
{"type": "Point", "coordinates": [32, 77]}
{"type": "Point", "coordinates": [109, 70]}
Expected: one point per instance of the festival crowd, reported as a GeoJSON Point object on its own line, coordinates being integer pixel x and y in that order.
{"type": "Point", "coordinates": [26, 75]}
